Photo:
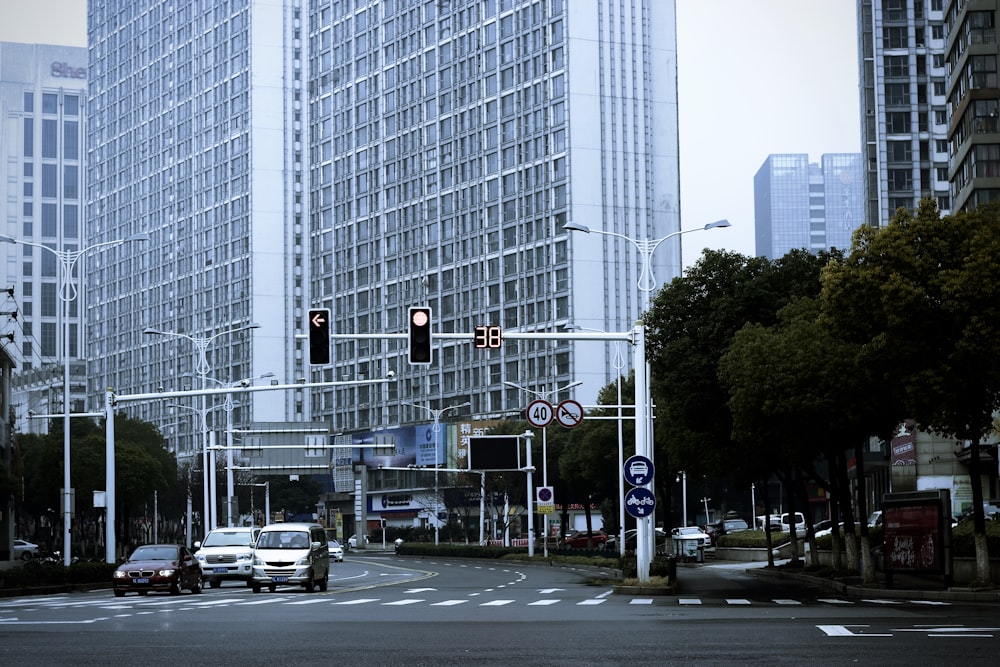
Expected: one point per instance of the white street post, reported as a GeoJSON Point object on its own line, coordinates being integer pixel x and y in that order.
{"type": "Point", "coordinates": [67, 293]}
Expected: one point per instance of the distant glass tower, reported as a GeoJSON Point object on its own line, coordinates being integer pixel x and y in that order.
{"type": "Point", "coordinates": [43, 94]}
{"type": "Point", "coordinates": [803, 205]}
{"type": "Point", "coordinates": [974, 92]}
{"type": "Point", "coordinates": [904, 106]}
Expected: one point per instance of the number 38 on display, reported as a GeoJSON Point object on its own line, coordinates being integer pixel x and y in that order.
{"type": "Point", "coordinates": [487, 337]}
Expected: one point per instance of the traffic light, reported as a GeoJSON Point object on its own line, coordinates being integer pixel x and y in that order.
{"type": "Point", "coordinates": [420, 335]}
{"type": "Point", "coordinates": [319, 336]}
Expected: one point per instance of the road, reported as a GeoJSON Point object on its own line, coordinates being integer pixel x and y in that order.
{"type": "Point", "coordinates": [383, 610]}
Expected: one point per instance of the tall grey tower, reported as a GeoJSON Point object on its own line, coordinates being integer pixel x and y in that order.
{"type": "Point", "coordinates": [450, 143]}
{"type": "Point", "coordinates": [904, 105]}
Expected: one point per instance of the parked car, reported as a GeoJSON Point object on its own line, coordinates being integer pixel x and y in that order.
{"type": "Point", "coordinates": [227, 553]}
{"type": "Point", "coordinates": [158, 567]}
{"type": "Point", "coordinates": [335, 550]}
{"type": "Point", "coordinates": [24, 550]}
{"type": "Point", "coordinates": [581, 539]}
{"type": "Point", "coordinates": [352, 542]}
{"type": "Point", "coordinates": [690, 542]}
{"type": "Point", "coordinates": [800, 523]}
{"type": "Point", "coordinates": [731, 523]}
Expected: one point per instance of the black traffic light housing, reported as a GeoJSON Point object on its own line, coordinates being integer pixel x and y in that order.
{"type": "Point", "coordinates": [419, 334]}
{"type": "Point", "coordinates": [319, 336]}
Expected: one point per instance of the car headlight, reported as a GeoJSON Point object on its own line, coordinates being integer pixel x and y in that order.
{"type": "Point", "coordinates": [166, 573]}
{"type": "Point", "coordinates": [240, 557]}
{"type": "Point", "coordinates": [258, 561]}
{"type": "Point", "coordinates": [305, 560]}
{"type": "Point", "coordinates": [200, 558]}
{"type": "Point", "coordinates": [119, 574]}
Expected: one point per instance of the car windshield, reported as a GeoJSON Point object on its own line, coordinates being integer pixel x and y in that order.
{"type": "Point", "coordinates": [154, 553]}
{"type": "Point", "coordinates": [333, 544]}
{"type": "Point", "coordinates": [229, 538]}
{"type": "Point", "coordinates": [283, 539]}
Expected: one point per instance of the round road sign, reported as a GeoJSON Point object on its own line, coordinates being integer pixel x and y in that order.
{"type": "Point", "coordinates": [539, 413]}
{"type": "Point", "coordinates": [569, 413]}
{"type": "Point", "coordinates": [640, 502]}
{"type": "Point", "coordinates": [638, 470]}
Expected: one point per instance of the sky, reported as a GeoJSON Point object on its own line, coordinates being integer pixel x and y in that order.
{"type": "Point", "coordinates": [755, 77]}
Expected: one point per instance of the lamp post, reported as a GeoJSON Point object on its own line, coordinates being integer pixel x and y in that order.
{"type": "Point", "coordinates": [67, 293]}
{"type": "Point", "coordinates": [619, 366]}
{"type": "Point", "coordinates": [544, 395]}
{"type": "Point", "coordinates": [202, 369]}
{"type": "Point", "coordinates": [436, 429]}
{"type": "Point", "coordinates": [682, 477]}
{"type": "Point", "coordinates": [645, 537]}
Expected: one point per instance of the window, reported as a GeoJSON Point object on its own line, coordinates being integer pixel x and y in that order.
{"type": "Point", "coordinates": [898, 122]}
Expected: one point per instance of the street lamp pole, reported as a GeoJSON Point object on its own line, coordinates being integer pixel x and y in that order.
{"type": "Point", "coordinates": [645, 536]}
{"type": "Point", "coordinates": [436, 429]}
{"type": "Point", "coordinates": [67, 293]}
{"type": "Point", "coordinates": [202, 369]}
{"type": "Point", "coordinates": [544, 395]}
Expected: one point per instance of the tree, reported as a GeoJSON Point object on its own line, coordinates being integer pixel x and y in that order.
{"type": "Point", "coordinates": [922, 298]}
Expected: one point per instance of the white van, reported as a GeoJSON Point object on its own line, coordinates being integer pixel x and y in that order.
{"type": "Point", "coordinates": [800, 523]}
{"type": "Point", "coordinates": [291, 554]}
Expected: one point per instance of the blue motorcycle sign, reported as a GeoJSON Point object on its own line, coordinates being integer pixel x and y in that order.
{"type": "Point", "coordinates": [640, 502]}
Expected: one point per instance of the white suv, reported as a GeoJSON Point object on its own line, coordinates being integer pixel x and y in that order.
{"type": "Point", "coordinates": [227, 553]}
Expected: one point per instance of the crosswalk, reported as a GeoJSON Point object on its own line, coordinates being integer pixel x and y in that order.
{"type": "Point", "coordinates": [190, 602]}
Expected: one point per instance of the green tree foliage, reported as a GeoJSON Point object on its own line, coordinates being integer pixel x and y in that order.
{"type": "Point", "coordinates": [692, 324]}
{"type": "Point", "coordinates": [922, 298]}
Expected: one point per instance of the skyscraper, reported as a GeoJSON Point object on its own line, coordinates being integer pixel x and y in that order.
{"type": "Point", "coordinates": [904, 106]}
{"type": "Point", "coordinates": [43, 93]}
{"type": "Point", "coordinates": [369, 156]}
{"type": "Point", "coordinates": [974, 95]}
{"type": "Point", "coordinates": [801, 205]}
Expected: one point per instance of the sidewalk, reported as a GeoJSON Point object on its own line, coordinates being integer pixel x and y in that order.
{"type": "Point", "coordinates": [905, 586]}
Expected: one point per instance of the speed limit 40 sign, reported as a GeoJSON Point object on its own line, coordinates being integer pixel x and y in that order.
{"type": "Point", "coordinates": [539, 413]}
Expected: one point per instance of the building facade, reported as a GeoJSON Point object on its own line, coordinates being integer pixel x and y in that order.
{"type": "Point", "coordinates": [973, 102]}
{"type": "Point", "coordinates": [43, 95]}
{"type": "Point", "coordinates": [798, 204]}
{"type": "Point", "coordinates": [904, 106]}
{"type": "Point", "coordinates": [198, 138]}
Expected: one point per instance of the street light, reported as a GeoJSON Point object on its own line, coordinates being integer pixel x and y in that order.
{"type": "Point", "coordinates": [228, 406]}
{"type": "Point", "coordinates": [645, 537]}
{"type": "Point", "coordinates": [543, 395]}
{"type": "Point", "coordinates": [436, 429]}
{"type": "Point", "coordinates": [67, 293]}
{"type": "Point", "coordinates": [202, 369]}
{"type": "Point", "coordinates": [646, 247]}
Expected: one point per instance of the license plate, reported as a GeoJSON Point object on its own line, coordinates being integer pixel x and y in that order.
{"type": "Point", "coordinates": [280, 580]}
{"type": "Point", "coordinates": [141, 580]}
{"type": "Point", "coordinates": [219, 570]}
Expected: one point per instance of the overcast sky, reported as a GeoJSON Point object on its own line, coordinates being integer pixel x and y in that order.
{"type": "Point", "coordinates": [755, 77]}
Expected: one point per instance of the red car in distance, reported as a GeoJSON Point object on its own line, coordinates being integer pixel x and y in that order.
{"type": "Point", "coordinates": [581, 539]}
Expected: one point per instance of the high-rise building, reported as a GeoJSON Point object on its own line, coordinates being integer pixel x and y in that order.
{"type": "Point", "coordinates": [43, 95]}
{"type": "Point", "coordinates": [974, 99]}
{"type": "Point", "coordinates": [366, 157]}
{"type": "Point", "coordinates": [198, 137]}
{"type": "Point", "coordinates": [449, 144]}
{"type": "Point", "coordinates": [801, 205]}
{"type": "Point", "coordinates": [904, 106]}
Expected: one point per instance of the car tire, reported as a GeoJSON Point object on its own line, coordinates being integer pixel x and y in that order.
{"type": "Point", "coordinates": [255, 587]}
{"type": "Point", "coordinates": [196, 587]}
{"type": "Point", "coordinates": [310, 584]}
{"type": "Point", "coordinates": [143, 592]}
{"type": "Point", "coordinates": [324, 583]}
{"type": "Point", "coordinates": [215, 583]}
{"type": "Point", "coordinates": [119, 594]}
{"type": "Point", "coordinates": [272, 588]}
{"type": "Point", "coordinates": [26, 555]}
{"type": "Point", "coordinates": [249, 583]}
{"type": "Point", "coordinates": [175, 589]}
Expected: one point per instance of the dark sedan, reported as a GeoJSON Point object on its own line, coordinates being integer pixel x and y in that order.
{"type": "Point", "coordinates": [158, 567]}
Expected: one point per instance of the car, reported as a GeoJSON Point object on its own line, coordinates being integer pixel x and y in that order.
{"type": "Point", "coordinates": [581, 539]}
{"type": "Point", "coordinates": [24, 550]}
{"type": "Point", "coordinates": [800, 523]}
{"type": "Point", "coordinates": [227, 553]}
{"type": "Point", "coordinates": [293, 554]}
{"type": "Point", "coordinates": [638, 469]}
{"type": "Point", "coordinates": [631, 537]}
{"type": "Point", "coordinates": [158, 567]}
{"type": "Point", "coordinates": [335, 550]}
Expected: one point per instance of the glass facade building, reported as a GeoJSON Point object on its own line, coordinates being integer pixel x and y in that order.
{"type": "Point", "coordinates": [367, 156]}
{"type": "Point", "coordinates": [904, 106]}
{"type": "Point", "coordinates": [801, 205]}
{"type": "Point", "coordinates": [43, 94]}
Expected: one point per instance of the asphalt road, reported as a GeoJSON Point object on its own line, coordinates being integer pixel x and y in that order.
{"type": "Point", "coordinates": [383, 610]}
